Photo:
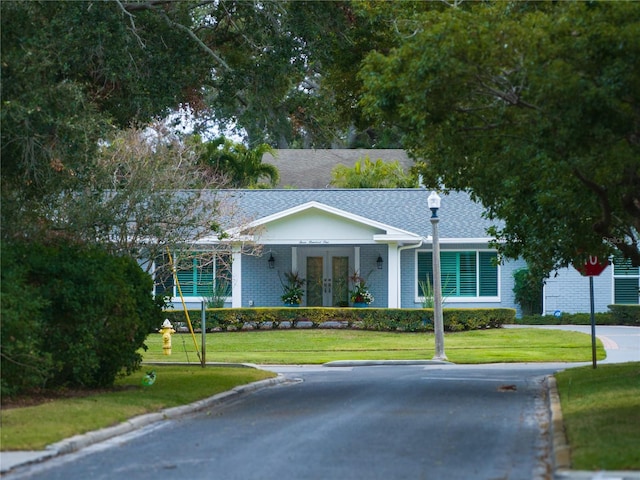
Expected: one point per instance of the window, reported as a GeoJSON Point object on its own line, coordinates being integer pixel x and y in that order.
{"type": "Point", "coordinates": [463, 274]}
{"type": "Point", "coordinates": [195, 276]}
{"type": "Point", "coordinates": [625, 281]}
{"type": "Point", "coordinates": [199, 275]}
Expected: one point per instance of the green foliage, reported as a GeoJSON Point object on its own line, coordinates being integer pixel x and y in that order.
{"type": "Point", "coordinates": [485, 94]}
{"type": "Point", "coordinates": [241, 166]}
{"type": "Point", "coordinates": [426, 289]}
{"type": "Point", "coordinates": [567, 319]}
{"type": "Point", "coordinates": [369, 174]}
{"type": "Point", "coordinates": [219, 293]}
{"type": "Point", "coordinates": [127, 65]}
{"type": "Point", "coordinates": [625, 314]}
{"type": "Point", "coordinates": [458, 319]}
{"type": "Point", "coordinates": [618, 315]}
{"type": "Point", "coordinates": [95, 310]}
{"type": "Point", "coordinates": [71, 71]}
{"type": "Point", "coordinates": [600, 415]}
{"type": "Point", "coordinates": [24, 364]}
{"type": "Point", "coordinates": [359, 293]}
{"type": "Point", "coordinates": [292, 288]}
{"type": "Point", "coordinates": [528, 291]}
{"type": "Point", "coordinates": [377, 319]}
{"type": "Point", "coordinates": [35, 427]}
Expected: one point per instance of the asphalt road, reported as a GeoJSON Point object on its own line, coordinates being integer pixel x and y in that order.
{"type": "Point", "coordinates": [378, 422]}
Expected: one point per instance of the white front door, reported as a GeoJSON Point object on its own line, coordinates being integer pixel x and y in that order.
{"type": "Point", "coordinates": [326, 271]}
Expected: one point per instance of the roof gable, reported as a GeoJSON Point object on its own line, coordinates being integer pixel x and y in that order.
{"type": "Point", "coordinates": [403, 210]}
{"type": "Point", "coordinates": [315, 222]}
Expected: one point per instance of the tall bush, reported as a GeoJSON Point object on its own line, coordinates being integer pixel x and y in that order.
{"type": "Point", "coordinates": [527, 291]}
{"type": "Point", "coordinates": [23, 363]}
{"type": "Point", "coordinates": [99, 310]}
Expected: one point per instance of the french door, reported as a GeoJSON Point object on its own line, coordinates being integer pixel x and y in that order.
{"type": "Point", "coordinates": [327, 275]}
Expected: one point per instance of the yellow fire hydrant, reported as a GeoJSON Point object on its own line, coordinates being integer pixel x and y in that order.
{"type": "Point", "coordinates": [166, 331]}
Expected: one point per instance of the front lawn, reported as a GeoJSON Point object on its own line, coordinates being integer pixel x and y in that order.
{"type": "Point", "coordinates": [34, 427]}
{"type": "Point", "coordinates": [317, 346]}
{"type": "Point", "coordinates": [601, 410]}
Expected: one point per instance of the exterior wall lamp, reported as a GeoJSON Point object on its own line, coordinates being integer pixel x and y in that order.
{"type": "Point", "coordinates": [271, 261]}
{"type": "Point", "coordinates": [379, 262]}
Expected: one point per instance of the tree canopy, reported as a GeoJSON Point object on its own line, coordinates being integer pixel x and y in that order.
{"type": "Point", "coordinates": [534, 108]}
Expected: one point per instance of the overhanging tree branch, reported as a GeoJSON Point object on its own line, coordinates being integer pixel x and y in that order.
{"type": "Point", "coordinates": [151, 5]}
{"type": "Point", "coordinates": [602, 226]}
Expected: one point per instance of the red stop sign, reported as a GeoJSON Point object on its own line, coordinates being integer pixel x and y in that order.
{"type": "Point", "coordinates": [592, 266]}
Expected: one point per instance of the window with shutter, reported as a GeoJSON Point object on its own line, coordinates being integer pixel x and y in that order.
{"type": "Point", "coordinates": [468, 274]}
{"type": "Point", "coordinates": [488, 274]}
{"type": "Point", "coordinates": [198, 277]}
{"type": "Point", "coordinates": [626, 281]}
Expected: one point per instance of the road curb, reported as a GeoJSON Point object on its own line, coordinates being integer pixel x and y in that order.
{"type": "Point", "coordinates": [81, 441]}
{"type": "Point", "coordinates": [561, 448]}
{"type": "Point", "coordinates": [84, 440]}
{"type": "Point", "coordinates": [370, 363]}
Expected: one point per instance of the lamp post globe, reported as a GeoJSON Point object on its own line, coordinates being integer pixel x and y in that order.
{"type": "Point", "coordinates": [434, 204]}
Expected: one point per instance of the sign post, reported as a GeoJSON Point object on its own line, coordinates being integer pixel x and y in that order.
{"type": "Point", "coordinates": [203, 328]}
{"type": "Point", "coordinates": [592, 268]}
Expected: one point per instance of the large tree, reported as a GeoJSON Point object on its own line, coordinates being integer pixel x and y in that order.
{"type": "Point", "coordinates": [534, 108]}
{"type": "Point", "coordinates": [75, 72]}
{"type": "Point", "coordinates": [72, 72]}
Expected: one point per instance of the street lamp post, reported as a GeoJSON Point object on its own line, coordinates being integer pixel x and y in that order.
{"type": "Point", "coordinates": [438, 323]}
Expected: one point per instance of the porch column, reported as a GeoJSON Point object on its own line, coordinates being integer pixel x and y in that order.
{"type": "Point", "coordinates": [393, 274]}
{"type": "Point", "coordinates": [236, 277]}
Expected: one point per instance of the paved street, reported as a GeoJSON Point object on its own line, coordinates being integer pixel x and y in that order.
{"type": "Point", "coordinates": [387, 422]}
{"type": "Point", "coordinates": [382, 422]}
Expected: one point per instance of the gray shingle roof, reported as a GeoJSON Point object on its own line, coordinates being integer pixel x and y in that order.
{"type": "Point", "coordinates": [405, 209]}
{"type": "Point", "coordinates": [304, 168]}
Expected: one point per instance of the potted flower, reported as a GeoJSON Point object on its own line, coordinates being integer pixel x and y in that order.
{"type": "Point", "coordinates": [292, 290]}
{"type": "Point", "coordinates": [360, 295]}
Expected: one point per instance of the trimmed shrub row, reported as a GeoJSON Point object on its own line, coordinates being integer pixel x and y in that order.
{"type": "Point", "coordinates": [377, 319]}
{"type": "Point", "coordinates": [625, 314]}
{"type": "Point", "coordinates": [617, 315]}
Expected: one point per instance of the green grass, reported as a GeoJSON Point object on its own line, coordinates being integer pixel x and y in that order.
{"type": "Point", "coordinates": [601, 410]}
{"type": "Point", "coordinates": [33, 428]}
{"type": "Point", "coordinates": [320, 346]}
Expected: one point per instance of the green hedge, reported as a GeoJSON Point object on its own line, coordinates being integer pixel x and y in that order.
{"type": "Point", "coordinates": [618, 315]}
{"type": "Point", "coordinates": [625, 314]}
{"type": "Point", "coordinates": [377, 319]}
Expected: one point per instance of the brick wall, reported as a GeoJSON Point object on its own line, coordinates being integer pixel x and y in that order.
{"type": "Point", "coordinates": [568, 291]}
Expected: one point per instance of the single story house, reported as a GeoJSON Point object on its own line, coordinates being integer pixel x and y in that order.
{"type": "Point", "coordinates": [385, 235]}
